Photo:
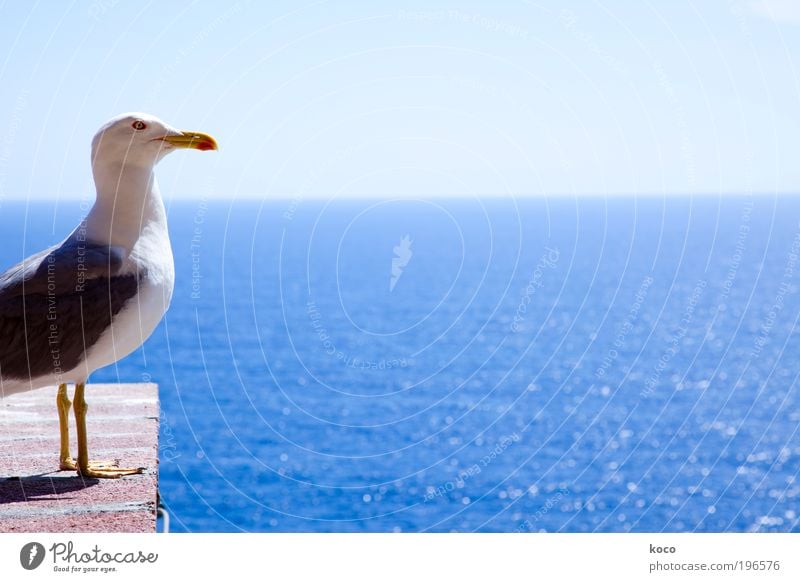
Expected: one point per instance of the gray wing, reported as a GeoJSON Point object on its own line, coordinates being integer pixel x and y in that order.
{"type": "Point", "coordinates": [56, 304]}
{"type": "Point", "coordinates": [61, 269]}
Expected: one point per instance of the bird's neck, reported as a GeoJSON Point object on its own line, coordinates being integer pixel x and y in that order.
{"type": "Point", "coordinates": [128, 202]}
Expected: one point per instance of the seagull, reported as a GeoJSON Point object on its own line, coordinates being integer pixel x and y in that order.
{"type": "Point", "coordinates": [94, 298]}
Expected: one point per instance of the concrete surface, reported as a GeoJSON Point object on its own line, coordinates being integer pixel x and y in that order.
{"type": "Point", "coordinates": [35, 496]}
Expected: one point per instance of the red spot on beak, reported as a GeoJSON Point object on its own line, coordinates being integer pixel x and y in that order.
{"type": "Point", "coordinates": [205, 146]}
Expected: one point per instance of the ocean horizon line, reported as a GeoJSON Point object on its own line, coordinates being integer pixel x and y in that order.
{"type": "Point", "coordinates": [484, 196]}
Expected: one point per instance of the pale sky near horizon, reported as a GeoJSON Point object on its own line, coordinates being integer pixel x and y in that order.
{"type": "Point", "coordinates": [323, 98]}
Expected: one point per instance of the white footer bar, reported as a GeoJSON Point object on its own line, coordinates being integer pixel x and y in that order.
{"type": "Point", "coordinates": [401, 557]}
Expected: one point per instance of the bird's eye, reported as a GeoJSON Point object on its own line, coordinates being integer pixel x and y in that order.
{"type": "Point", "coordinates": [139, 125]}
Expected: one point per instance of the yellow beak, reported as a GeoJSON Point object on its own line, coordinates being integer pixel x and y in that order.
{"type": "Point", "coordinates": [193, 140]}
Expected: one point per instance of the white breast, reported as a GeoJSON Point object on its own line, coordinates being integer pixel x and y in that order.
{"type": "Point", "coordinates": [151, 258]}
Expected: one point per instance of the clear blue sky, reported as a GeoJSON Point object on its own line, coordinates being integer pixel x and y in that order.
{"type": "Point", "coordinates": [417, 99]}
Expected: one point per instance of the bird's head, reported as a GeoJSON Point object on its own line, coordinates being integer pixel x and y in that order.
{"type": "Point", "coordinates": [139, 139]}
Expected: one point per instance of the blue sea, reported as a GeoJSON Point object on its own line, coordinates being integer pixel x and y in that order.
{"type": "Point", "coordinates": [569, 364]}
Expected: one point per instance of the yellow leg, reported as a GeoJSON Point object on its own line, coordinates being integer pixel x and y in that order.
{"type": "Point", "coordinates": [85, 468]}
{"type": "Point", "coordinates": [65, 460]}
